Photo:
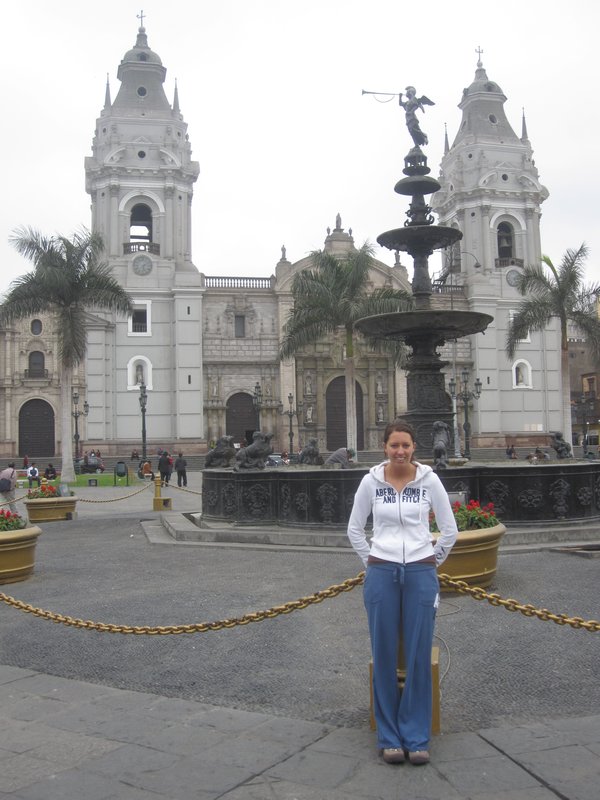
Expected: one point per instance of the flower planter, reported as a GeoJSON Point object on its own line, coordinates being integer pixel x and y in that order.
{"type": "Point", "coordinates": [474, 557]}
{"type": "Point", "coordinates": [48, 509]}
{"type": "Point", "coordinates": [17, 551]}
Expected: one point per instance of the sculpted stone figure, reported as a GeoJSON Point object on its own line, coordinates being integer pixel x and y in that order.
{"type": "Point", "coordinates": [410, 106]}
{"type": "Point", "coordinates": [310, 454]}
{"type": "Point", "coordinates": [221, 454]}
{"type": "Point", "coordinates": [563, 449]}
{"type": "Point", "coordinates": [255, 455]}
{"type": "Point", "coordinates": [441, 444]}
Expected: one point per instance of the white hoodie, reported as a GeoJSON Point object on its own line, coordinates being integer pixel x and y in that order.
{"type": "Point", "coordinates": [401, 520]}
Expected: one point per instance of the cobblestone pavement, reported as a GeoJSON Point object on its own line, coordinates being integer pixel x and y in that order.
{"type": "Point", "coordinates": [277, 709]}
{"type": "Point", "coordinates": [497, 666]}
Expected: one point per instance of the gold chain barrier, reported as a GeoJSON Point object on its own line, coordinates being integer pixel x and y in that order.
{"type": "Point", "coordinates": [88, 500]}
{"type": "Point", "coordinates": [528, 610]}
{"type": "Point", "coordinates": [198, 627]}
{"type": "Point", "coordinates": [183, 489]}
{"type": "Point", "coordinates": [116, 499]}
{"type": "Point", "coordinates": [294, 605]}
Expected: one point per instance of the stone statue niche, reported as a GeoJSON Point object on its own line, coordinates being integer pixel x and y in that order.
{"type": "Point", "coordinates": [221, 454]}
{"type": "Point", "coordinates": [255, 455]}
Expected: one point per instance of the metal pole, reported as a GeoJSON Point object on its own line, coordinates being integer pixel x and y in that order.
{"type": "Point", "coordinates": [144, 433]}
{"type": "Point", "coordinates": [467, 425]}
{"type": "Point", "coordinates": [75, 415]}
{"type": "Point", "coordinates": [291, 413]}
{"type": "Point", "coordinates": [457, 453]}
{"type": "Point", "coordinates": [76, 437]}
{"type": "Point", "coordinates": [143, 400]}
{"type": "Point", "coordinates": [257, 403]}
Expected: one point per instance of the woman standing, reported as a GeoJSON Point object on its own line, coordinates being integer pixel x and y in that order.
{"type": "Point", "coordinates": [401, 591]}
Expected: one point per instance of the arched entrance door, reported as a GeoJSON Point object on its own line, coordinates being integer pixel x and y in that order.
{"type": "Point", "coordinates": [36, 429]}
{"type": "Point", "coordinates": [335, 408]}
{"type": "Point", "coordinates": [240, 417]}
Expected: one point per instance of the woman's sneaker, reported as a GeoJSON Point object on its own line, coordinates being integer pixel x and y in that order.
{"type": "Point", "coordinates": [393, 755]}
{"type": "Point", "coordinates": [418, 757]}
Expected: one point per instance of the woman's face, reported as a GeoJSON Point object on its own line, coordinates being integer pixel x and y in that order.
{"type": "Point", "coordinates": [399, 448]}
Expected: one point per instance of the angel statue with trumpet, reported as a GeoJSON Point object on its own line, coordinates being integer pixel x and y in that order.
{"type": "Point", "coordinates": [410, 106]}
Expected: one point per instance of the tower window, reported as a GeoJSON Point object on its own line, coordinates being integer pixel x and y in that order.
{"type": "Point", "coordinates": [140, 223]}
{"type": "Point", "coordinates": [36, 365]}
{"type": "Point", "coordinates": [492, 119]}
{"type": "Point", "coordinates": [139, 321]}
{"type": "Point", "coordinates": [505, 240]}
{"type": "Point", "coordinates": [141, 154]}
{"type": "Point", "coordinates": [36, 327]}
{"type": "Point", "coordinates": [239, 326]}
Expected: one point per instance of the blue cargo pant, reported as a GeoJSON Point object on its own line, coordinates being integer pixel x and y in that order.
{"type": "Point", "coordinates": [401, 601]}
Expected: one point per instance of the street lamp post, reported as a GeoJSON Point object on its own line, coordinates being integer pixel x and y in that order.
{"type": "Point", "coordinates": [76, 413]}
{"type": "Point", "coordinates": [257, 401]}
{"type": "Point", "coordinates": [465, 394]}
{"type": "Point", "coordinates": [290, 413]}
{"type": "Point", "coordinates": [451, 272]}
{"type": "Point", "coordinates": [143, 403]}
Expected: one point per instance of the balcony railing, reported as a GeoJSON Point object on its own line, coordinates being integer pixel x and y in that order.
{"type": "Point", "coordinates": [509, 262]}
{"type": "Point", "coordinates": [35, 374]}
{"type": "Point", "coordinates": [141, 247]}
{"type": "Point", "coordinates": [237, 283]}
{"type": "Point", "coordinates": [446, 288]}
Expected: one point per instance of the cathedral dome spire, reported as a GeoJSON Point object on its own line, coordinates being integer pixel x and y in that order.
{"type": "Point", "coordinates": [482, 104]}
{"type": "Point", "coordinates": [142, 76]}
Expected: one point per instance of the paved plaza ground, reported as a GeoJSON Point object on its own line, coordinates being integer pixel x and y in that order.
{"type": "Point", "coordinates": [277, 709]}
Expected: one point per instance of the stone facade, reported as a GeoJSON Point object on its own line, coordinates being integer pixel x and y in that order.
{"type": "Point", "coordinates": [243, 322]}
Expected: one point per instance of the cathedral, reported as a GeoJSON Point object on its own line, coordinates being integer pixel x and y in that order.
{"type": "Point", "coordinates": [206, 347]}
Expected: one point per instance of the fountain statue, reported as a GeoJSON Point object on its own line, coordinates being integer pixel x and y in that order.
{"type": "Point", "coordinates": [425, 329]}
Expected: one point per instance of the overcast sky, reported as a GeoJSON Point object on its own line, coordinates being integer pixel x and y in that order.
{"type": "Point", "coordinates": [271, 92]}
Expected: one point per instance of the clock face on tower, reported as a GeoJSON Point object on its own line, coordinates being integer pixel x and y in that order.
{"type": "Point", "coordinates": [142, 265]}
{"type": "Point", "coordinates": [512, 277]}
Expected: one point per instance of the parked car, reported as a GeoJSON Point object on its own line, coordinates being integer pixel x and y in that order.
{"type": "Point", "coordinates": [275, 460]}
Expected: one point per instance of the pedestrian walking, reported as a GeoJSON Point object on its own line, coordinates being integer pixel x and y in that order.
{"type": "Point", "coordinates": [164, 468]}
{"type": "Point", "coordinates": [401, 589]}
{"type": "Point", "coordinates": [181, 470]}
{"type": "Point", "coordinates": [8, 482]}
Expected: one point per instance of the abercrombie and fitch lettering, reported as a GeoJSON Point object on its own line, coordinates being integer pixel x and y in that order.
{"type": "Point", "coordinates": [410, 494]}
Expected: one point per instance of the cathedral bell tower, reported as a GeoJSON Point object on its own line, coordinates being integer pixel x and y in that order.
{"type": "Point", "coordinates": [492, 193]}
{"type": "Point", "coordinates": [140, 177]}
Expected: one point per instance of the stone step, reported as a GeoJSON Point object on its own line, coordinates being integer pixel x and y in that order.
{"type": "Point", "coordinates": [190, 528]}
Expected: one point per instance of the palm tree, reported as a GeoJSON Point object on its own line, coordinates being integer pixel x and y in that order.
{"type": "Point", "coordinates": [68, 278]}
{"type": "Point", "coordinates": [558, 292]}
{"type": "Point", "coordinates": [334, 294]}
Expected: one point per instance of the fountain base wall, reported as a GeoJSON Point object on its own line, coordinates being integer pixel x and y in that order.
{"type": "Point", "coordinates": [316, 496]}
